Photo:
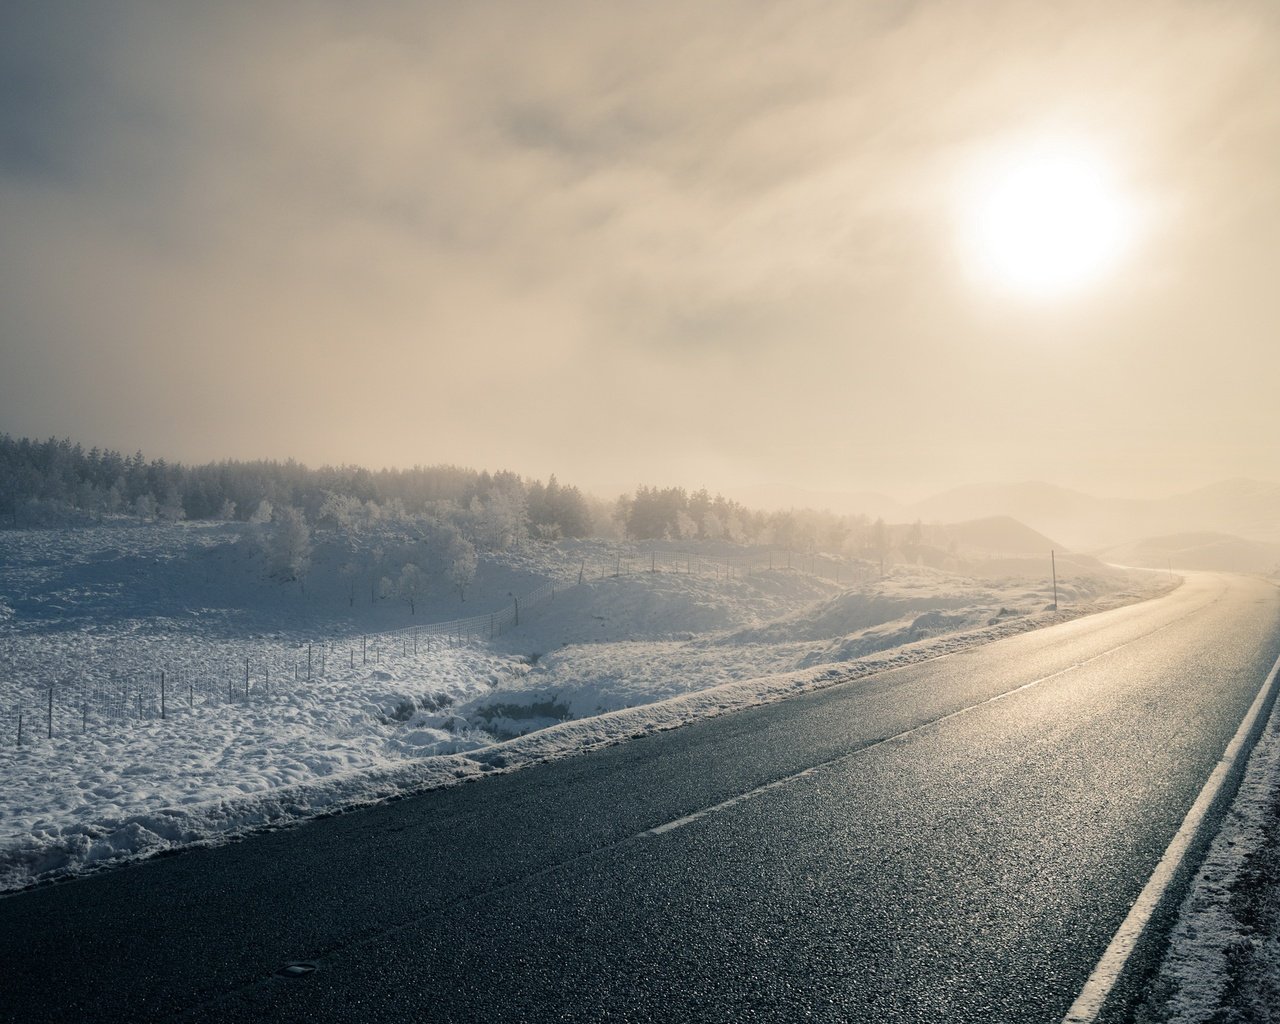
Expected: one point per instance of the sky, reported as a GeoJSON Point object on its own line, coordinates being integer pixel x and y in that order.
{"type": "Point", "coordinates": [723, 244]}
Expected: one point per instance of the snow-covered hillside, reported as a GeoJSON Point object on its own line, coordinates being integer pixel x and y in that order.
{"type": "Point", "coordinates": [168, 694]}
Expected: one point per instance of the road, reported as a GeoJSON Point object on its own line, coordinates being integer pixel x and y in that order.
{"type": "Point", "coordinates": [952, 841]}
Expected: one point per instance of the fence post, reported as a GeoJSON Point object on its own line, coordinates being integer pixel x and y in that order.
{"type": "Point", "coordinates": [308, 663]}
{"type": "Point", "coordinates": [246, 677]}
{"type": "Point", "coordinates": [19, 728]}
{"type": "Point", "coordinates": [51, 712]}
{"type": "Point", "coordinates": [162, 704]}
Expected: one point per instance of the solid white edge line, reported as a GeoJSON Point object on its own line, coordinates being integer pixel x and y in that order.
{"type": "Point", "coordinates": [1106, 974]}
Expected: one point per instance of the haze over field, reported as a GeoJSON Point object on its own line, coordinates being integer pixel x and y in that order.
{"type": "Point", "coordinates": [895, 248]}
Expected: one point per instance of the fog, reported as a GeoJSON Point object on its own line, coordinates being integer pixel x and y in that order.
{"type": "Point", "coordinates": [715, 247]}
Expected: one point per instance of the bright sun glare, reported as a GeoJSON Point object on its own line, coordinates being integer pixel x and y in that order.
{"type": "Point", "coordinates": [1046, 221]}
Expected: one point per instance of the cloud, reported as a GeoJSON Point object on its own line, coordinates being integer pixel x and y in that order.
{"type": "Point", "coordinates": [560, 236]}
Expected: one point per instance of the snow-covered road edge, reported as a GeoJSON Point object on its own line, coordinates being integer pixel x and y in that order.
{"type": "Point", "coordinates": [54, 855]}
{"type": "Point", "coordinates": [1223, 959]}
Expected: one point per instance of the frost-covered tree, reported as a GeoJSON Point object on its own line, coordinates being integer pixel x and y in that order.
{"type": "Point", "coordinates": [376, 556]}
{"type": "Point", "coordinates": [557, 511]}
{"type": "Point", "coordinates": [386, 588]}
{"type": "Point", "coordinates": [349, 569]}
{"type": "Point", "coordinates": [500, 519]}
{"type": "Point", "coordinates": [686, 528]}
{"type": "Point", "coordinates": [288, 545]}
{"type": "Point", "coordinates": [411, 585]}
{"type": "Point", "coordinates": [548, 533]}
{"type": "Point", "coordinates": [345, 511]}
{"type": "Point", "coordinates": [460, 562]}
{"type": "Point", "coordinates": [171, 510]}
{"type": "Point", "coordinates": [144, 507]}
{"type": "Point", "coordinates": [114, 500]}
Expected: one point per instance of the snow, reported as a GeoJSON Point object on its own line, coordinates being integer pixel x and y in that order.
{"type": "Point", "coordinates": [95, 615]}
{"type": "Point", "coordinates": [1223, 961]}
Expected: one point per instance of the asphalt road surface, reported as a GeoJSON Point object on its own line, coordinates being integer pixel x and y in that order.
{"type": "Point", "coordinates": [953, 841]}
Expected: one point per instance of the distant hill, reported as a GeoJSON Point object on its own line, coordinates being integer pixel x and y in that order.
{"type": "Point", "coordinates": [1248, 509]}
{"type": "Point", "coordinates": [1245, 508]}
{"type": "Point", "coordinates": [998, 536]}
{"type": "Point", "coordinates": [1200, 550]}
{"type": "Point", "coordinates": [1078, 519]}
{"type": "Point", "coordinates": [1001, 546]}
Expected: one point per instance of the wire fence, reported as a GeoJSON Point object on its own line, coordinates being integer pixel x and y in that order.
{"type": "Point", "coordinates": [739, 564]}
{"type": "Point", "coordinates": [106, 685]}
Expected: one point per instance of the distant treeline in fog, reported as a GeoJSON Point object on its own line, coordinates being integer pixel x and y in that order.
{"type": "Point", "coordinates": [48, 481]}
{"type": "Point", "coordinates": [58, 481]}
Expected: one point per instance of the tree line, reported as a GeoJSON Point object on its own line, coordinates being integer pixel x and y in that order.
{"type": "Point", "coordinates": [45, 482]}
{"type": "Point", "coordinates": [59, 481]}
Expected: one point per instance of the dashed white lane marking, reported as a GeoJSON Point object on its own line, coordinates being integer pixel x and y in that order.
{"type": "Point", "coordinates": [786, 780]}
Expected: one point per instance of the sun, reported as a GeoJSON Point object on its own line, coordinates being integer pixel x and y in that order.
{"type": "Point", "coordinates": [1045, 220]}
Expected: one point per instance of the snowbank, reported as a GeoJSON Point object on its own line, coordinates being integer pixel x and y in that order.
{"type": "Point", "coordinates": [197, 712]}
{"type": "Point", "coordinates": [1223, 961]}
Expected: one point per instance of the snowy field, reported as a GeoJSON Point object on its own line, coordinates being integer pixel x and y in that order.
{"type": "Point", "coordinates": [169, 695]}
